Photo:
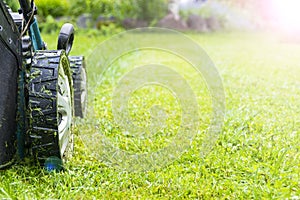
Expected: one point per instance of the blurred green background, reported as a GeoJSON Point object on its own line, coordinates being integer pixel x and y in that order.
{"type": "Point", "coordinates": [112, 15]}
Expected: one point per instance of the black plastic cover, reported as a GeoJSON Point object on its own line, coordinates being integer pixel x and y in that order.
{"type": "Point", "coordinates": [9, 65]}
{"type": "Point", "coordinates": [8, 104]}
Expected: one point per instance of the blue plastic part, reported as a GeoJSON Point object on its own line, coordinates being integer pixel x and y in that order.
{"type": "Point", "coordinates": [36, 37]}
{"type": "Point", "coordinates": [53, 164]}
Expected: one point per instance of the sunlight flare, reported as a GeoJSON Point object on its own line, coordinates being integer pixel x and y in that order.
{"type": "Point", "coordinates": [287, 14]}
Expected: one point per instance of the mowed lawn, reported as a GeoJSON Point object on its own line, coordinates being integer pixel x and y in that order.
{"type": "Point", "coordinates": [257, 153]}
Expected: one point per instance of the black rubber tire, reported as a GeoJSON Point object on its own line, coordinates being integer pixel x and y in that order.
{"type": "Point", "coordinates": [66, 38]}
{"type": "Point", "coordinates": [79, 76]}
{"type": "Point", "coordinates": [44, 92]}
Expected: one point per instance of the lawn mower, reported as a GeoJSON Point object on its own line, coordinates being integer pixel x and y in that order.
{"type": "Point", "coordinates": [41, 91]}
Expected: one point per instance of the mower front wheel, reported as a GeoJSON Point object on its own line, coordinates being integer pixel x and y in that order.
{"type": "Point", "coordinates": [51, 107]}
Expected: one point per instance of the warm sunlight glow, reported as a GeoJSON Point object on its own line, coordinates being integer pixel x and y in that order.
{"type": "Point", "coordinates": [288, 14]}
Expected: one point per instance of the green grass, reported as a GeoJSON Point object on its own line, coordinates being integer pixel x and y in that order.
{"type": "Point", "coordinates": [255, 157]}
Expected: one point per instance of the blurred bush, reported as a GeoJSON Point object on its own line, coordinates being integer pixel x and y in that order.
{"type": "Point", "coordinates": [50, 25]}
{"type": "Point", "coordinates": [120, 9]}
{"type": "Point", "coordinates": [228, 14]}
{"type": "Point", "coordinates": [102, 7]}
{"type": "Point", "coordinates": [56, 8]}
{"type": "Point", "coordinates": [53, 11]}
{"type": "Point", "coordinates": [149, 10]}
{"type": "Point", "coordinates": [126, 9]}
{"type": "Point", "coordinates": [78, 7]}
{"type": "Point", "coordinates": [110, 29]}
{"type": "Point", "coordinates": [13, 4]}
